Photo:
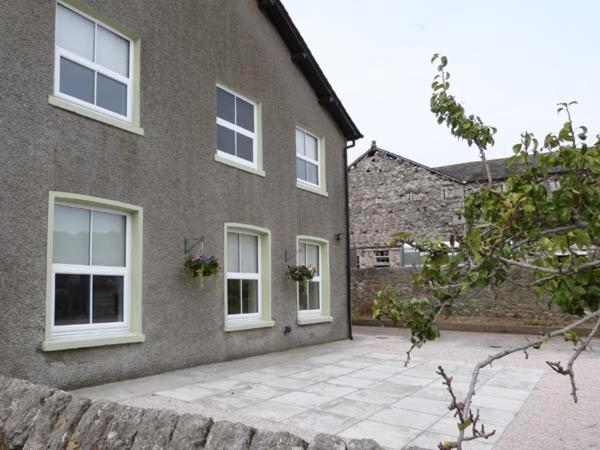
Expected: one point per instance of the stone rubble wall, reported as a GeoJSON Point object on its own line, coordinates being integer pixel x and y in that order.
{"type": "Point", "coordinates": [507, 302]}
{"type": "Point", "coordinates": [36, 417]}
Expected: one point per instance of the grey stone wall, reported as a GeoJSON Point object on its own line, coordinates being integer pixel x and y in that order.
{"type": "Point", "coordinates": [389, 194]}
{"type": "Point", "coordinates": [35, 416]}
{"type": "Point", "coordinates": [508, 302]}
{"type": "Point", "coordinates": [187, 47]}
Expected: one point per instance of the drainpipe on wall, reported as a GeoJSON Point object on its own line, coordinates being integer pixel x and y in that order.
{"type": "Point", "coordinates": [348, 272]}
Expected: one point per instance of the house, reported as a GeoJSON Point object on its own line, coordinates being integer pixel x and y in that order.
{"type": "Point", "coordinates": [134, 133]}
{"type": "Point", "coordinates": [390, 193]}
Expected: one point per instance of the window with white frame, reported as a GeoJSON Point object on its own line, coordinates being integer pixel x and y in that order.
{"type": "Point", "coordinates": [236, 127]}
{"type": "Point", "coordinates": [382, 258]}
{"type": "Point", "coordinates": [308, 170]}
{"type": "Point", "coordinates": [243, 268]}
{"type": "Point", "coordinates": [90, 271]}
{"type": "Point", "coordinates": [309, 294]}
{"type": "Point", "coordinates": [93, 64]}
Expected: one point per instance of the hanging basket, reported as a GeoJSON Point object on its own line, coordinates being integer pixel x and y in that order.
{"type": "Point", "coordinates": [201, 266]}
{"type": "Point", "coordinates": [301, 274]}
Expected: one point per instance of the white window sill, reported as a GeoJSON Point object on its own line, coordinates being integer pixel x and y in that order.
{"type": "Point", "coordinates": [51, 345]}
{"type": "Point", "coordinates": [82, 111]}
{"type": "Point", "coordinates": [312, 189]}
{"type": "Point", "coordinates": [311, 320]}
{"type": "Point", "coordinates": [248, 325]}
{"type": "Point", "coordinates": [240, 166]}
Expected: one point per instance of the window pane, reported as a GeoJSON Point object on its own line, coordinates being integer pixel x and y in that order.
{"type": "Point", "coordinates": [300, 142]}
{"type": "Point", "coordinates": [107, 299]}
{"type": "Point", "coordinates": [312, 256]}
{"type": "Point", "coordinates": [302, 297]}
{"type": "Point", "coordinates": [302, 254]}
{"type": "Point", "coordinates": [76, 81]}
{"type": "Point", "coordinates": [225, 140]}
{"type": "Point", "coordinates": [71, 299]}
{"type": "Point", "coordinates": [249, 296]}
{"type": "Point", "coordinates": [233, 252]}
{"type": "Point", "coordinates": [310, 147]}
{"type": "Point", "coordinates": [71, 235]}
{"type": "Point", "coordinates": [112, 51]}
{"type": "Point", "coordinates": [108, 239]}
{"type": "Point", "coordinates": [111, 95]}
{"type": "Point", "coordinates": [300, 169]}
{"type": "Point", "coordinates": [249, 253]}
{"type": "Point", "coordinates": [245, 114]}
{"type": "Point", "coordinates": [233, 297]}
{"type": "Point", "coordinates": [225, 105]}
{"type": "Point", "coordinates": [312, 173]}
{"type": "Point", "coordinates": [245, 148]}
{"type": "Point", "coordinates": [313, 295]}
{"type": "Point", "coordinates": [74, 32]}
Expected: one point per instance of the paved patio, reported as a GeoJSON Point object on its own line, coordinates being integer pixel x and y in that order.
{"type": "Point", "coordinates": [356, 389]}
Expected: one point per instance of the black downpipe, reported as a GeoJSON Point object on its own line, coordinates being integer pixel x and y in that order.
{"type": "Point", "coordinates": [348, 272]}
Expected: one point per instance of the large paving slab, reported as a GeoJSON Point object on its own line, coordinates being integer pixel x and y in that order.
{"type": "Point", "coordinates": [356, 389]}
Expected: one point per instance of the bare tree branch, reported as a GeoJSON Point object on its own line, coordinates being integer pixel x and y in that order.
{"type": "Point", "coordinates": [557, 367]}
{"type": "Point", "coordinates": [535, 344]}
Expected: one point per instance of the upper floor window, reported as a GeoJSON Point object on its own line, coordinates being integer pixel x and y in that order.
{"type": "Point", "coordinates": [93, 64]}
{"type": "Point", "coordinates": [307, 159]}
{"type": "Point", "coordinates": [236, 128]}
{"type": "Point", "coordinates": [382, 258]}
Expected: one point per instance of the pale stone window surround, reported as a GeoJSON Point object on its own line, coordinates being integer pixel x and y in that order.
{"type": "Point", "coordinates": [131, 331]}
{"type": "Point", "coordinates": [256, 166]}
{"type": "Point", "coordinates": [129, 122]}
{"type": "Point", "coordinates": [263, 318]}
{"type": "Point", "coordinates": [321, 187]}
{"type": "Point", "coordinates": [322, 315]}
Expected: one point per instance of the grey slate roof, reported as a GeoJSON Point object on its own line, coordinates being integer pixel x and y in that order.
{"type": "Point", "coordinates": [475, 171]}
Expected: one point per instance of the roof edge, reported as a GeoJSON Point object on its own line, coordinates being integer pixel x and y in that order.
{"type": "Point", "coordinates": [410, 161]}
{"type": "Point", "coordinates": [303, 58]}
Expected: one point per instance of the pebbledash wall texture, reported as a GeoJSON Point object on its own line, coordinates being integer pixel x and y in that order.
{"type": "Point", "coordinates": [169, 172]}
{"type": "Point", "coordinates": [389, 193]}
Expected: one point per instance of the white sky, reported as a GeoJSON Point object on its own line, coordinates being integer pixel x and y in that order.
{"type": "Point", "coordinates": [510, 62]}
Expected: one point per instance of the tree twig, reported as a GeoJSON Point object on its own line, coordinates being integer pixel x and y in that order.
{"type": "Point", "coordinates": [557, 367]}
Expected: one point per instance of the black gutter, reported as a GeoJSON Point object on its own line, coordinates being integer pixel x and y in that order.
{"type": "Point", "coordinates": [348, 271]}
{"type": "Point", "coordinates": [303, 58]}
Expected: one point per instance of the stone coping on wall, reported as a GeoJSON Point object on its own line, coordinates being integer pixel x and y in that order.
{"type": "Point", "coordinates": [40, 417]}
{"type": "Point", "coordinates": [480, 327]}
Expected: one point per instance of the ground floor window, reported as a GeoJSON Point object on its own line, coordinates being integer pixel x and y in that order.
{"type": "Point", "coordinates": [382, 258]}
{"type": "Point", "coordinates": [90, 268]}
{"type": "Point", "coordinates": [314, 296]}
{"type": "Point", "coordinates": [93, 277]}
{"type": "Point", "coordinates": [247, 277]}
{"type": "Point", "coordinates": [243, 275]}
{"type": "Point", "coordinates": [309, 294]}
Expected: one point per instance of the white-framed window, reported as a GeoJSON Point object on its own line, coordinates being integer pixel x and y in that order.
{"type": "Point", "coordinates": [308, 167]}
{"type": "Point", "coordinates": [93, 65]}
{"type": "Point", "coordinates": [310, 294]}
{"type": "Point", "coordinates": [236, 128]}
{"type": "Point", "coordinates": [91, 266]}
{"type": "Point", "coordinates": [382, 258]}
{"type": "Point", "coordinates": [243, 276]}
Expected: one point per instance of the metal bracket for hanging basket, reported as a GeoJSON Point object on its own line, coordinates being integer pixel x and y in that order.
{"type": "Point", "coordinates": [190, 243]}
